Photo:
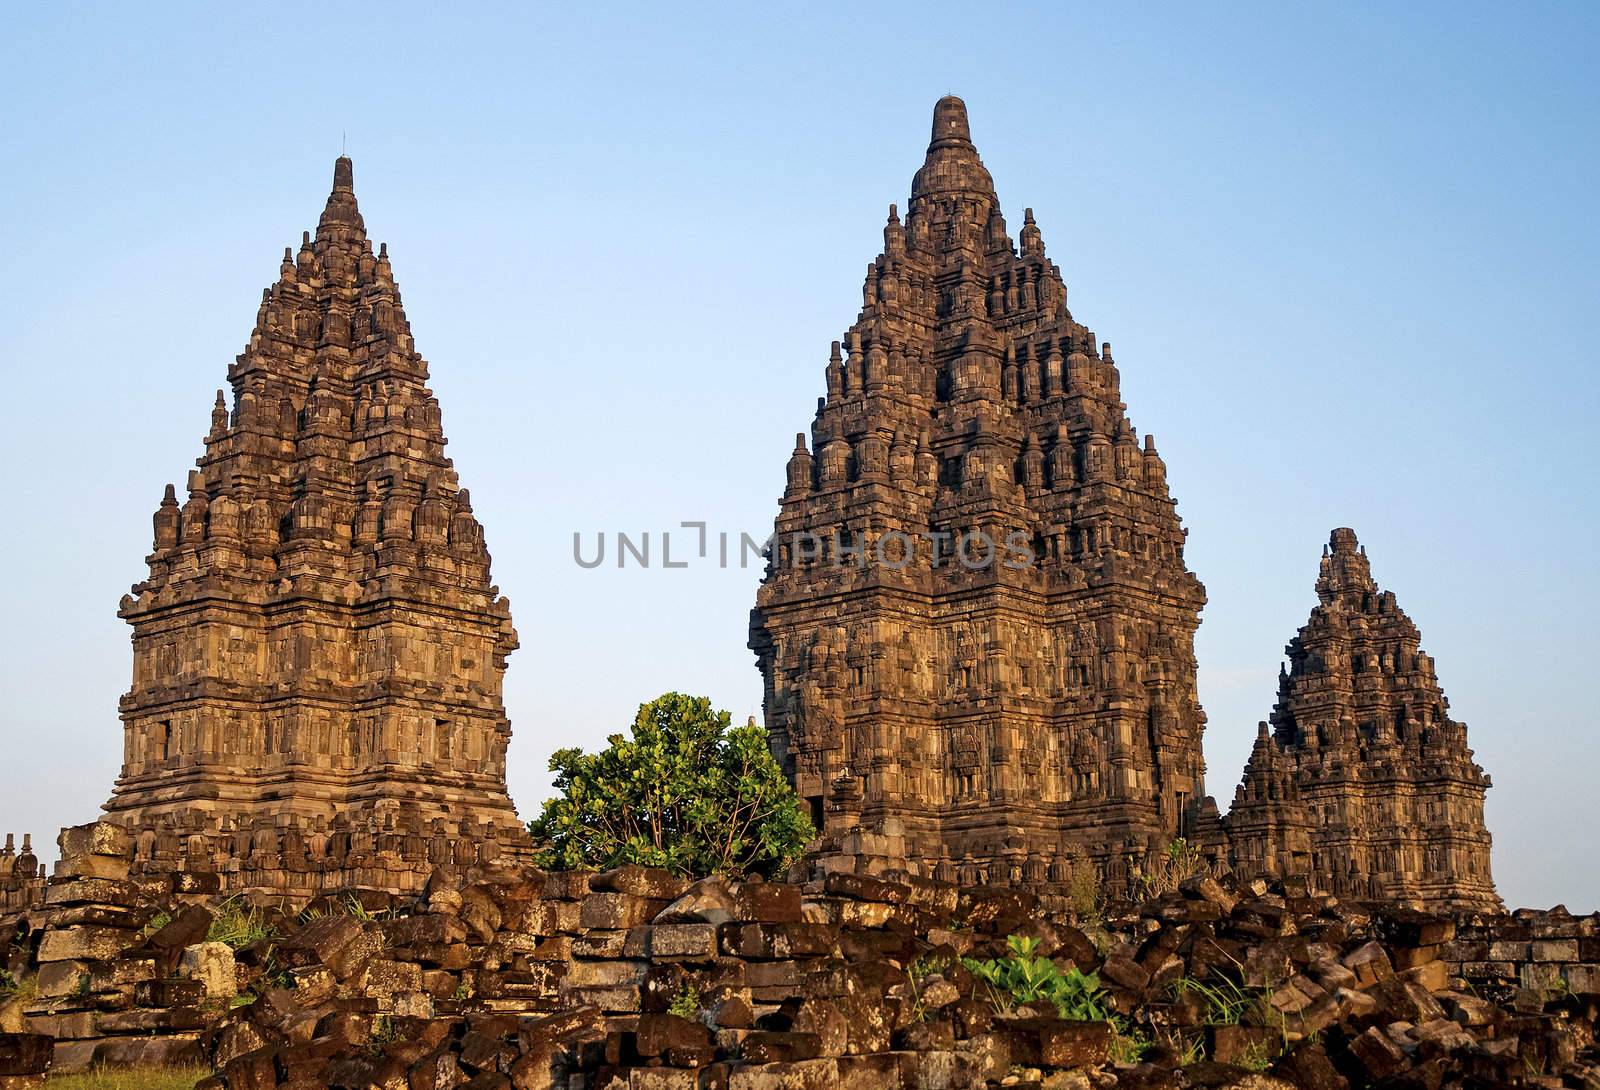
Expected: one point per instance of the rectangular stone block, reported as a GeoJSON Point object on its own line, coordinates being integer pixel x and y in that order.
{"type": "Point", "coordinates": [610, 1000]}
{"type": "Point", "coordinates": [662, 1078]}
{"type": "Point", "coordinates": [681, 941]}
{"type": "Point", "coordinates": [821, 1074]}
{"type": "Point", "coordinates": [1555, 949]}
{"type": "Point", "coordinates": [767, 902]}
{"type": "Point", "coordinates": [95, 838]}
{"type": "Point", "coordinates": [606, 974]}
{"type": "Point", "coordinates": [93, 866]}
{"type": "Point", "coordinates": [85, 943]}
{"type": "Point", "coordinates": [25, 1053]}
{"type": "Point", "coordinates": [1582, 979]}
{"type": "Point", "coordinates": [84, 891]}
{"type": "Point", "coordinates": [1074, 1044]}
{"type": "Point", "coordinates": [612, 911]}
{"type": "Point", "coordinates": [778, 941]}
{"type": "Point", "coordinates": [152, 1021]}
{"type": "Point", "coordinates": [877, 1072]}
{"type": "Point", "coordinates": [59, 978]}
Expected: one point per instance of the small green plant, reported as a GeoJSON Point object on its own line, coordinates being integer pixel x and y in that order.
{"type": "Point", "coordinates": [918, 972]}
{"type": "Point", "coordinates": [1087, 895]}
{"type": "Point", "coordinates": [464, 991]}
{"type": "Point", "coordinates": [1257, 1056]}
{"type": "Point", "coordinates": [1226, 1000]}
{"type": "Point", "coordinates": [1230, 1003]}
{"type": "Point", "coordinates": [243, 1000]}
{"type": "Point", "coordinates": [686, 1004]}
{"type": "Point", "coordinates": [9, 984]}
{"type": "Point", "coordinates": [237, 925]}
{"type": "Point", "coordinates": [1187, 1048]}
{"type": "Point", "coordinates": [384, 1034]}
{"type": "Point", "coordinates": [85, 982]}
{"type": "Point", "coordinates": [156, 923]}
{"type": "Point", "coordinates": [357, 911]}
{"type": "Point", "coordinates": [1023, 978]}
{"type": "Point", "coordinates": [1128, 1044]}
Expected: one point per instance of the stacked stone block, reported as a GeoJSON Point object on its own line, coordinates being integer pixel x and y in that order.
{"type": "Point", "coordinates": [120, 975]}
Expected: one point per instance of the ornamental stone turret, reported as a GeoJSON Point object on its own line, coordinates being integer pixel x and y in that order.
{"type": "Point", "coordinates": [318, 645]}
{"type": "Point", "coordinates": [1362, 781]}
{"type": "Point", "coordinates": [976, 630]}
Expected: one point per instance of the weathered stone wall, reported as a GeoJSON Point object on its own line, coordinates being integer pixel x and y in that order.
{"type": "Point", "coordinates": [508, 977]}
{"type": "Point", "coordinates": [1531, 954]}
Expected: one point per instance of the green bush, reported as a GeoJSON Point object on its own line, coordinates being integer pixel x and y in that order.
{"type": "Point", "coordinates": [685, 792]}
{"type": "Point", "coordinates": [1023, 978]}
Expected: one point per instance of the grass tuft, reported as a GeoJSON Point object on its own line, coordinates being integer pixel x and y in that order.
{"type": "Point", "coordinates": [237, 925]}
{"type": "Point", "coordinates": [130, 1078]}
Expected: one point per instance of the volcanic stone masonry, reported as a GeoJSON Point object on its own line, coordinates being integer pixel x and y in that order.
{"type": "Point", "coordinates": [1363, 780]}
{"type": "Point", "coordinates": [318, 648]}
{"type": "Point", "coordinates": [507, 978]}
{"type": "Point", "coordinates": [976, 629]}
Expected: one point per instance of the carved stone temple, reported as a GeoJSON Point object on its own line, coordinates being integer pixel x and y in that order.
{"type": "Point", "coordinates": [976, 628]}
{"type": "Point", "coordinates": [318, 648]}
{"type": "Point", "coordinates": [1361, 779]}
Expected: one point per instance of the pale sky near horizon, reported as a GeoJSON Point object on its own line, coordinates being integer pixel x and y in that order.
{"type": "Point", "coordinates": [1346, 256]}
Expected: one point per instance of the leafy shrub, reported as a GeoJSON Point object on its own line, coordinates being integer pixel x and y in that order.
{"type": "Point", "coordinates": [1023, 978]}
{"type": "Point", "coordinates": [9, 984]}
{"type": "Point", "coordinates": [685, 792]}
{"type": "Point", "coordinates": [1087, 896]}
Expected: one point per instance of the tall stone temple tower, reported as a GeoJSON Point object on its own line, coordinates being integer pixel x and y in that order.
{"type": "Point", "coordinates": [318, 648]}
{"type": "Point", "coordinates": [1362, 780]}
{"type": "Point", "coordinates": [976, 628]}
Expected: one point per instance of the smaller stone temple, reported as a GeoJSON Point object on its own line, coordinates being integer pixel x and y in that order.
{"type": "Point", "coordinates": [318, 648]}
{"type": "Point", "coordinates": [1361, 780]}
{"type": "Point", "coordinates": [21, 877]}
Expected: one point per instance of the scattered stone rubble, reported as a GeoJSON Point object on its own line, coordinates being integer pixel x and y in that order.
{"type": "Point", "coordinates": [633, 979]}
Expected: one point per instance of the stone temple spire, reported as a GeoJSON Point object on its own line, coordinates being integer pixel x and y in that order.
{"type": "Point", "coordinates": [1365, 784]}
{"type": "Point", "coordinates": [952, 167]}
{"type": "Point", "coordinates": [976, 631]}
{"type": "Point", "coordinates": [318, 640]}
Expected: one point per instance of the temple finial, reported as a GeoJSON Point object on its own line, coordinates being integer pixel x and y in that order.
{"type": "Point", "coordinates": [950, 122]}
{"type": "Point", "coordinates": [343, 173]}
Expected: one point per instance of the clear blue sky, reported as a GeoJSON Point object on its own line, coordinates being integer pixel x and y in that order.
{"type": "Point", "coordinates": [1347, 258]}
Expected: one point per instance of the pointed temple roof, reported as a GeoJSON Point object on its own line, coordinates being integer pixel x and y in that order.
{"type": "Point", "coordinates": [1055, 696]}
{"type": "Point", "coordinates": [319, 638]}
{"type": "Point", "coordinates": [1364, 774]}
